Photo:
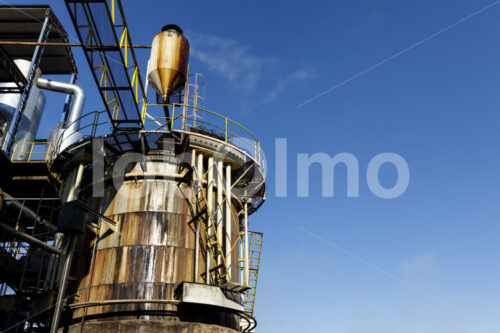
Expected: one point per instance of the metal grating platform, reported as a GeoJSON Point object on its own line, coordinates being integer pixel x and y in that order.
{"type": "Point", "coordinates": [107, 55]}
{"type": "Point", "coordinates": [23, 24]}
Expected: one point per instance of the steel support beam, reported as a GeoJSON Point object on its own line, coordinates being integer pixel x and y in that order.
{"type": "Point", "coordinates": [15, 74]}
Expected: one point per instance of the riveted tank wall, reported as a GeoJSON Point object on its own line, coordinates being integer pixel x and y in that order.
{"type": "Point", "coordinates": [145, 256]}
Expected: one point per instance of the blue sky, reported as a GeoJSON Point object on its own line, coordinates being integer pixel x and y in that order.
{"type": "Point", "coordinates": [424, 262]}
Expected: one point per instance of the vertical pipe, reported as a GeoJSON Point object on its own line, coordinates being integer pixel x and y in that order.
{"type": "Point", "coordinates": [220, 207]}
{"type": "Point", "coordinates": [195, 181]}
{"type": "Point", "coordinates": [247, 275]}
{"type": "Point", "coordinates": [210, 207]}
{"type": "Point", "coordinates": [228, 218]}
{"type": "Point", "coordinates": [241, 257]}
{"type": "Point", "coordinates": [63, 283]}
{"type": "Point", "coordinates": [197, 236]}
{"type": "Point", "coordinates": [67, 103]}
{"type": "Point", "coordinates": [193, 161]}
{"type": "Point", "coordinates": [58, 242]}
{"type": "Point", "coordinates": [72, 195]}
{"type": "Point", "coordinates": [63, 192]}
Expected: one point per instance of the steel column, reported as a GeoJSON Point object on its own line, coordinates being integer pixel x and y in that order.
{"type": "Point", "coordinates": [30, 77]}
{"type": "Point", "coordinates": [16, 75]}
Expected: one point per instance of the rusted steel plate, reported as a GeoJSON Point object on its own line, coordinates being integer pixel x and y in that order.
{"type": "Point", "coordinates": [145, 256]}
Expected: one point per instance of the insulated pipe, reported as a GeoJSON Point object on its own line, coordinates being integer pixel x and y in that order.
{"type": "Point", "coordinates": [210, 209]}
{"type": "Point", "coordinates": [28, 213]}
{"type": "Point", "coordinates": [220, 208]}
{"type": "Point", "coordinates": [63, 283]}
{"type": "Point", "coordinates": [247, 274]}
{"type": "Point", "coordinates": [73, 192]}
{"type": "Point", "coordinates": [200, 198]}
{"type": "Point", "coordinates": [67, 88]}
{"type": "Point", "coordinates": [228, 218]}
{"type": "Point", "coordinates": [29, 239]}
{"type": "Point", "coordinates": [197, 239]}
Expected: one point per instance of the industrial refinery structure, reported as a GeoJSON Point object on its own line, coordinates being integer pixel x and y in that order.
{"type": "Point", "coordinates": [130, 218]}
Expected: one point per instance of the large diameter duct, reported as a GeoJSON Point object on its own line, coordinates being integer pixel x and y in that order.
{"type": "Point", "coordinates": [30, 120]}
{"type": "Point", "coordinates": [168, 63]}
{"type": "Point", "coordinates": [70, 133]}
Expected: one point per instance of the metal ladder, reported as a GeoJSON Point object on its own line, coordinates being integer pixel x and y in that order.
{"type": "Point", "coordinates": [255, 247]}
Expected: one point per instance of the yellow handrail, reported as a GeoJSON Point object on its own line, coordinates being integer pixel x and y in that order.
{"type": "Point", "coordinates": [250, 145]}
{"type": "Point", "coordinates": [211, 112]}
{"type": "Point", "coordinates": [257, 152]}
{"type": "Point", "coordinates": [17, 152]}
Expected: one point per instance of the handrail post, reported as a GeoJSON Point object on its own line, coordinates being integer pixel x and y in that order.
{"type": "Point", "coordinates": [255, 148]}
{"type": "Point", "coordinates": [260, 152]}
{"type": "Point", "coordinates": [226, 129]}
{"type": "Point", "coordinates": [94, 125]}
{"type": "Point", "coordinates": [31, 151]}
{"type": "Point", "coordinates": [14, 152]}
{"type": "Point", "coordinates": [173, 116]}
{"type": "Point", "coordinates": [49, 148]}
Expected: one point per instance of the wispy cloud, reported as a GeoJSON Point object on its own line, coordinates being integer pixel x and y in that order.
{"type": "Point", "coordinates": [413, 265]}
{"type": "Point", "coordinates": [281, 85]}
{"type": "Point", "coordinates": [247, 73]}
{"type": "Point", "coordinates": [397, 54]}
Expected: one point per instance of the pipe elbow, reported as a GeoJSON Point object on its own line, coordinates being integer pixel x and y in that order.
{"type": "Point", "coordinates": [78, 92]}
{"type": "Point", "coordinates": [67, 88]}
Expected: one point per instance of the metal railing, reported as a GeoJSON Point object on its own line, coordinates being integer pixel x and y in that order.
{"type": "Point", "coordinates": [206, 122]}
{"type": "Point", "coordinates": [182, 117]}
{"type": "Point", "coordinates": [92, 124]}
{"type": "Point", "coordinates": [31, 152]}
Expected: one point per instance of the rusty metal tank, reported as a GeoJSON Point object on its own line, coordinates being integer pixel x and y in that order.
{"type": "Point", "coordinates": [144, 257]}
{"type": "Point", "coordinates": [168, 63]}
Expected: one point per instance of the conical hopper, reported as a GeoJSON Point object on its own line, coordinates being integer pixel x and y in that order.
{"type": "Point", "coordinates": [168, 64]}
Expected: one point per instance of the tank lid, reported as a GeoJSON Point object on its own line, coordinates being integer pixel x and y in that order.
{"type": "Point", "coordinates": [172, 27]}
